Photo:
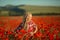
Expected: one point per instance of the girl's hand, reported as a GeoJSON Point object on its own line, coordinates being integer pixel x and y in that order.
{"type": "Point", "coordinates": [31, 33]}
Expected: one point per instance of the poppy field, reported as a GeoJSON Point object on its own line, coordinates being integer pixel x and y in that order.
{"type": "Point", "coordinates": [48, 28]}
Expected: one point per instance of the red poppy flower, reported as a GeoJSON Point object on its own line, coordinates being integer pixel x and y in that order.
{"type": "Point", "coordinates": [55, 31]}
{"type": "Point", "coordinates": [22, 31]}
{"type": "Point", "coordinates": [57, 38]}
{"type": "Point", "coordinates": [1, 29]}
{"type": "Point", "coordinates": [6, 39]}
{"type": "Point", "coordinates": [27, 38]}
{"type": "Point", "coordinates": [9, 32]}
{"type": "Point", "coordinates": [47, 32]}
{"type": "Point", "coordinates": [19, 36]}
{"type": "Point", "coordinates": [51, 36]}
{"type": "Point", "coordinates": [1, 35]}
{"type": "Point", "coordinates": [17, 31]}
{"type": "Point", "coordinates": [38, 34]}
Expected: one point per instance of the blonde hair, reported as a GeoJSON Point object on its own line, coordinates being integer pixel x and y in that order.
{"type": "Point", "coordinates": [25, 16]}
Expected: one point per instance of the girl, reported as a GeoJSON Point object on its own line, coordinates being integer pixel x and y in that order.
{"type": "Point", "coordinates": [29, 26]}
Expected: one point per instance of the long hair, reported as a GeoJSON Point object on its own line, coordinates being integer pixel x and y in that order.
{"type": "Point", "coordinates": [24, 21]}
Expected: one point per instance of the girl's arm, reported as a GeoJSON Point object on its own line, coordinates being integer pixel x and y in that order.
{"type": "Point", "coordinates": [36, 29]}
{"type": "Point", "coordinates": [35, 26]}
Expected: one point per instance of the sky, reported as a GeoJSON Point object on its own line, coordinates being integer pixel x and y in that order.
{"type": "Point", "coordinates": [30, 2]}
